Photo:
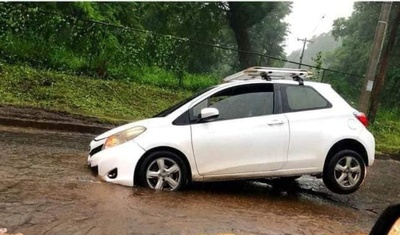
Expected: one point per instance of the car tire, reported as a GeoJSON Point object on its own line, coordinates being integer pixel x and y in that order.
{"type": "Point", "coordinates": [163, 170]}
{"type": "Point", "coordinates": [344, 173]}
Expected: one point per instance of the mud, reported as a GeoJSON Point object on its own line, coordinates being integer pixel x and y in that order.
{"type": "Point", "coordinates": [40, 114]}
{"type": "Point", "coordinates": [46, 188]}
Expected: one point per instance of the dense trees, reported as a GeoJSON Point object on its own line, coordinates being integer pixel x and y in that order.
{"type": "Point", "coordinates": [243, 16]}
{"type": "Point", "coordinates": [357, 33]}
{"type": "Point", "coordinates": [265, 35]}
{"type": "Point", "coordinates": [120, 40]}
{"type": "Point", "coordinates": [70, 36]}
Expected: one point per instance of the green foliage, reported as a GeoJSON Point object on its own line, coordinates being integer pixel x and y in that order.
{"type": "Point", "coordinates": [266, 36]}
{"type": "Point", "coordinates": [386, 130]}
{"type": "Point", "coordinates": [251, 22]}
{"type": "Point", "coordinates": [317, 76]}
{"type": "Point", "coordinates": [318, 60]}
{"type": "Point", "coordinates": [197, 82]}
{"type": "Point", "coordinates": [196, 21]}
{"type": "Point", "coordinates": [40, 35]}
{"type": "Point", "coordinates": [69, 37]}
{"type": "Point", "coordinates": [357, 34]}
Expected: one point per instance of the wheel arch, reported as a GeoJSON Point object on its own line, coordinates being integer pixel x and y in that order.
{"type": "Point", "coordinates": [162, 148]}
{"type": "Point", "coordinates": [347, 144]}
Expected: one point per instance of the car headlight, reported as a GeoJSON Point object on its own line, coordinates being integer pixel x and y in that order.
{"type": "Point", "coordinates": [123, 136]}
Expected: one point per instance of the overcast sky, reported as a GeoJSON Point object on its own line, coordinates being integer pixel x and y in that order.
{"type": "Point", "coordinates": [306, 19]}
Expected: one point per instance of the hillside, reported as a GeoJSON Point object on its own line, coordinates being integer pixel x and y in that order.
{"type": "Point", "coordinates": [112, 101]}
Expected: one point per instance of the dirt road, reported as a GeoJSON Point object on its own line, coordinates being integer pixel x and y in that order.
{"type": "Point", "coordinates": [46, 188]}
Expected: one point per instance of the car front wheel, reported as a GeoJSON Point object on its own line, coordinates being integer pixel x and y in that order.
{"type": "Point", "coordinates": [344, 172]}
{"type": "Point", "coordinates": [163, 170]}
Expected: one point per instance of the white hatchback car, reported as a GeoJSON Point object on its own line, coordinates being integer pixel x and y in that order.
{"type": "Point", "coordinates": [251, 127]}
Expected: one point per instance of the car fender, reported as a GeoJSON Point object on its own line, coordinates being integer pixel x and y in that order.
{"type": "Point", "coordinates": [176, 137]}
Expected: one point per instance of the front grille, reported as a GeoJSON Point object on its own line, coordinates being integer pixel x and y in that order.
{"type": "Point", "coordinates": [96, 150]}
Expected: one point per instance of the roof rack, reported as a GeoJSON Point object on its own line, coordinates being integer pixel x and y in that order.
{"type": "Point", "coordinates": [269, 73]}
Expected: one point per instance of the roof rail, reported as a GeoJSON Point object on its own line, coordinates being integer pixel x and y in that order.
{"type": "Point", "coordinates": [269, 73]}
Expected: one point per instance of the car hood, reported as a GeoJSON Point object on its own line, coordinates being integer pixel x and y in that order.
{"type": "Point", "coordinates": [148, 123]}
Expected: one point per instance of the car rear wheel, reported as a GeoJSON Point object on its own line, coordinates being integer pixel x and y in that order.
{"type": "Point", "coordinates": [344, 172]}
{"type": "Point", "coordinates": [163, 170]}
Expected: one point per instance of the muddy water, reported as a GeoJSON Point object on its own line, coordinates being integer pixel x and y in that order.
{"type": "Point", "coordinates": [46, 188]}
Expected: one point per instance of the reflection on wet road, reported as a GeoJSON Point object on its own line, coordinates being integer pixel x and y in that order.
{"type": "Point", "coordinates": [46, 188]}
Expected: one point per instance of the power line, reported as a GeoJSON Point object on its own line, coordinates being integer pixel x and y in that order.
{"type": "Point", "coordinates": [319, 22]}
{"type": "Point", "coordinates": [194, 41]}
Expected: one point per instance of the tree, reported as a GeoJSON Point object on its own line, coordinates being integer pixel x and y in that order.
{"type": "Point", "coordinates": [61, 35]}
{"type": "Point", "coordinates": [212, 23]}
{"type": "Point", "coordinates": [115, 40]}
{"type": "Point", "coordinates": [318, 64]}
{"type": "Point", "coordinates": [267, 36]}
{"type": "Point", "coordinates": [241, 16]}
{"type": "Point", "coordinates": [357, 33]}
{"type": "Point", "coordinates": [197, 21]}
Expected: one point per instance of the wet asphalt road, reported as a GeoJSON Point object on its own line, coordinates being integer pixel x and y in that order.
{"type": "Point", "coordinates": [46, 188]}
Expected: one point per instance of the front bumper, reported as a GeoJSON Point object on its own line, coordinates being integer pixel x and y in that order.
{"type": "Point", "coordinates": [123, 157]}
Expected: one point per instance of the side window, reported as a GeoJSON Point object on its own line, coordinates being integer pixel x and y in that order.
{"type": "Point", "coordinates": [239, 102]}
{"type": "Point", "coordinates": [299, 98]}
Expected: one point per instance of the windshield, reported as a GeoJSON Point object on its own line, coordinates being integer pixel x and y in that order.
{"type": "Point", "coordinates": [180, 104]}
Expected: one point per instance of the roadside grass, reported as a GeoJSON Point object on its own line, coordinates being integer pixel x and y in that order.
{"type": "Point", "coordinates": [115, 102]}
{"type": "Point", "coordinates": [110, 101]}
{"type": "Point", "coordinates": [161, 78]}
{"type": "Point", "coordinates": [386, 130]}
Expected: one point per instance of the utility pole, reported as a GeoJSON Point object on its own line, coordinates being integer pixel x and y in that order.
{"type": "Point", "coordinates": [302, 51]}
{"type": "Point", "coordinates": [374, 57]}
{"type": "Point", "coordinates": [383, 66]}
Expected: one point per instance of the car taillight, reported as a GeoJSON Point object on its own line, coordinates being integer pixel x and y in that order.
{"type": "Point", "coordinates": [362, 118]}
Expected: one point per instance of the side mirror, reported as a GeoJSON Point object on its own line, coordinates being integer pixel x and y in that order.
{"type": "Point", "coordinates": [207, 114]}
{"type": "Point", "coordinates": [389, 222]}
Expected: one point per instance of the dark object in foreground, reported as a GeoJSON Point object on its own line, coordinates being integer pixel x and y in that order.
{"type": "Point", "coordinates": [388, 222]}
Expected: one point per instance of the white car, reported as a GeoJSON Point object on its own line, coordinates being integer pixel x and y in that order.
{"type": "Point", "coordinates": [250, 127]}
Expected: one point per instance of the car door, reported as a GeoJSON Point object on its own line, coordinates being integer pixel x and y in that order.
{"type": "Point", "coordinates": [311, 121]}
{"type": "Point", "coordinates": [247, 137]}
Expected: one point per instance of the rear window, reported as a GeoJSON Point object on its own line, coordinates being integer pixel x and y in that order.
{"type": "Point", "coordinates": [299, 98]}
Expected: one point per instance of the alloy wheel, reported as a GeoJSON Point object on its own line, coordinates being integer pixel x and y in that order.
{"type": "Point", "coordinates": [347, 171]}
{"type": "Point", "coordinates": [163, 174]}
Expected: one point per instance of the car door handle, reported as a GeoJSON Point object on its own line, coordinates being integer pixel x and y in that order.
{"type": "Point", "coordinates": [275, 122]}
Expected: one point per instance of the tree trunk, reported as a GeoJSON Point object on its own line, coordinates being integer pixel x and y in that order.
{"type": "Point", "coordinates": [243, 42]}
{"type": "Point", "coordinates": [383, 69]}
{"type": "Point", "coordinates": [239, 27]}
